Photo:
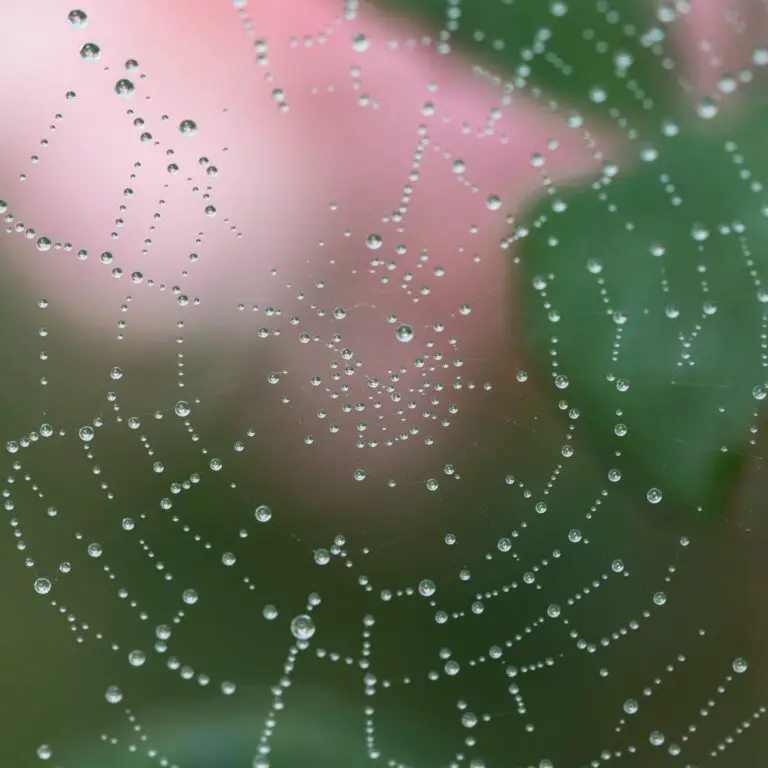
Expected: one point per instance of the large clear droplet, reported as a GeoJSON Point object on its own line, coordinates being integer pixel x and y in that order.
{"type": "Point", "coordinates": [302, 627]}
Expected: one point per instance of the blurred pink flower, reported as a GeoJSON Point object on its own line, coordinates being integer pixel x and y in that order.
{"type": "Point", "coordinates": [343, 129]}
{"type": "Point", "coordinates": [715, 38]}
{"type": "Point", "coordinates": [320, 131]}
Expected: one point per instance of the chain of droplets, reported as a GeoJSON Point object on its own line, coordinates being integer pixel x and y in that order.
{"type": "Point", "coordinates": [302, 629]}
{"type": "Point", "coordinates": [426, 588]}
{"type": "Point", "coordinates": [359, 43]}
{"type": "Point", "coordinates": [700, 235]}
{"type": "Point", "coordinates": [138, 729]}
{"type": "Point", "coordinates": [95, 550]}
{"type": "Point", "coordinates": [504, 545]}
{"type": "Point", "coordinates": [652, 40]}
{"type": "Point", "coordinates": [739, 666]}
{"type": "Point", "coordinates": [399, 215]}
{"type": "Point", "coordinates": [136, 657]}
{"type": "Point", "coordinates": [659, 600]}
{"type": "Point", "coordinates": [738, 731]}
{"type": "Point", "coordinates": [631, 706]}
{"type": "Point", "coordinates": [114, 696]}
{"type": "Point", "coordinates": [42, 585]}
{"type": "Point", "coordinates": [44, 243]}
{"type": "Point", "coordinates": [658, 738]}
{"type": "Point", "coordinates": [189, 596]}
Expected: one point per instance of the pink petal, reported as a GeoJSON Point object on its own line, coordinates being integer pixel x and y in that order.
{"type": "Point", "coordinates": [717, 37]}
{"type": "Point", "coordinates": [278, 175]}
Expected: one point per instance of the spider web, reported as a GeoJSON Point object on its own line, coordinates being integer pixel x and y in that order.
{"type": "Point", "coordinates": [279, 492]}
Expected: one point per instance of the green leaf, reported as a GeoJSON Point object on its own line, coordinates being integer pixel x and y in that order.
{"type": "Point", "coordinates": [566, 55]}
{"type": "Point", "coordinates": [694, 345]}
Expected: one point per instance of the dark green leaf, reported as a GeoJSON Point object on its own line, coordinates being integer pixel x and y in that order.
{"type": "Point", "coordinates": [694, 347]}
{"type": "Point", "coordinates": [566, 55]}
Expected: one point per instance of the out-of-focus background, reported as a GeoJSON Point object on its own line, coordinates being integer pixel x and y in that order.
{"type": "Point", "coordinates": [308, 460]}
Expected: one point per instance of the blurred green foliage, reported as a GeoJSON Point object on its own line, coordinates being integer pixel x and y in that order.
{"type": "Point", "coordinates": [565, 48]}
{"type": "Point", "coordinates": [681, 242]}
{"type": "Point", "coordinates": [317, 728]}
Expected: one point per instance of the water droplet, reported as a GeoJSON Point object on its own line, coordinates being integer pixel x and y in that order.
{"type": "Point", "coordinates": [760, 55]}
{"type": "Point", "coordinates": [90, 52]}
{"type": "Point", "coordinates": [707, 108]}
{"type": "Point", "coordinates": [404, 333]}
{"type": "Point", "coordinates": [86, 434]}
{"type": "Point", "coordinates": [113, 695]}
{"type": "Point", "coordinates": [77, 18]}
{"type": "Point", "coordinates": [137, 658]}
{"type": "Point", "coordinates": [699, 232]}
{"type": "Point", "coordinates": [654, 495]}
{"type": "Point", "coordinates": [740, 665]}
{"type": "Point", "coordinates": [427, 587]}
{"type": "Point", "coordinates": [558, 8]}
{"type": "Point", "coordinates": [623, 60]}
{"type": "Point", "coordinates": [360, 43]}
{"type": "Point", "coordinates": [182, 408]}
{"type": "Point", "coordinates": [374, 241]}
{"type": "Point", "coordinates": [727, 83]}
{"type": "Point", "coordinates": [188, 127]}
{"type": "Point", "coordinates": [42, 586]}
{"type": "Point", "coordinates": [302, 627]}
{"type": "Point", "coordinates": [189, 596]}
{"type": "Point", "coordinates": [124, 88]}
{"type": "Point", "coordinates": [452, 667]}
{"type": "Point", "coordinates": [669, 128]}
{"type": "Point", "coordinates": [263, 513]}
{"type": "Point", "coordinates": [95, 549]}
